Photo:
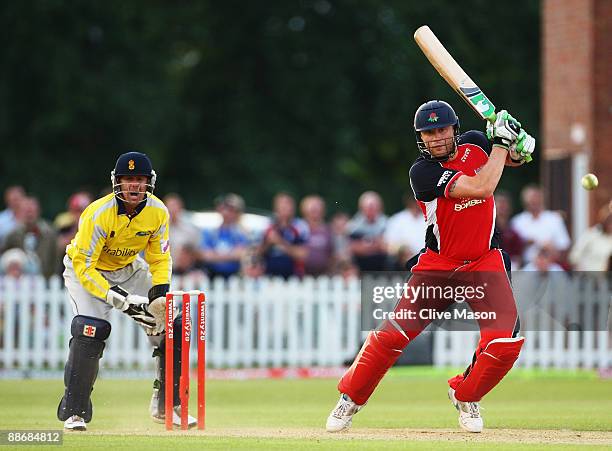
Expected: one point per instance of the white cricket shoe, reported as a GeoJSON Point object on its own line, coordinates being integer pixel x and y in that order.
{"type": "Point", "coordinates": [341, 417]}
{"type": "Point", "coordinates": [469, 413]}
{"type": "Point", "coordinates": [75, 423]}
{"type": "Point", "coordinates": [176, 416]}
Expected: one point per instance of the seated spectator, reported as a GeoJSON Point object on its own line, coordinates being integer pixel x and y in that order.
{"type": "Point", "coordinates": [539, 227]}
{"type": "Point", "coordinates": [253, 265]}
{"type": "Point", "coordinates": [510, 241]}
{"type": "Point", "coordinates": [544, 261]}
{"type": "Point", "coordinates": [222, 249]}
{"type": "Point", "coordinates": [346, 268]}
{"type": "Point", "coordinates": [283, 248]}
{"type": "Point", "coordinates": [405, 232]}
{"type": "Point", "coordinates": [319, 244]}
{"type": "Point", "coordinates": [13, 196]}
{"type": "Point", "coordinates": [66, 223]}
{"type": "Point", "coordinates": [186, 261]}
{"type": "Point", "coordinates": [184, 236]}
{"type": "Point", "coordinates": [69, 219]}
{"type": "Point", "coordinates": [593, 249]}
{"type": "Point", "coordinates": [35, 236]}
{"type": "Point", "coordinates": [366, 233]}
{"type": "Point", "coordinates": [13, 263]}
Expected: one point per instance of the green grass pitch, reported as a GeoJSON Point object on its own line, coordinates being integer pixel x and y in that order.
{"type": "Point", "coordinates": [529, 410]}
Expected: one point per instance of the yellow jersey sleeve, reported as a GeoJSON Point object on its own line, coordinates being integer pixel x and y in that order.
{"type": "Point", "coordinates": [157, 252]}
{"type": "Point", "coordinates": [85, 251]}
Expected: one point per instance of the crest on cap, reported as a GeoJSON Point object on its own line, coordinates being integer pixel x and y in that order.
{"type": "Point", "coordinates": [131, 165]}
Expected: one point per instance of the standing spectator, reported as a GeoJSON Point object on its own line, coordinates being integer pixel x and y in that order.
{"type": "Point", "coordinates": [405, 231]}
{"type": "Point", "coordinates": [510, 241]}
{"type": "Point", "coordinates": [366, 233]}
{"type": "Point", "coordinates": [319, 244]}
{"type": "Point", "coordinates": [593, 250]}
{"type": "Point", "coordinates": [13, 196]}
{"type": "Point", "coordinates": [283, 246]}
{"type": "Point", "coordinates": [35, 236]}
{"type": "Point", "coordinates": [539, 227]}
{"type": "Point", "coordinates": [339, 228]}
{"type": "Point", "coordinates": [223, 248]}
{"type": "Point", "coordinates": [184, 236]}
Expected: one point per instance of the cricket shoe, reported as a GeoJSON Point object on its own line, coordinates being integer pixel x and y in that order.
{"type": "Point", "coordinates": [75, 423]}
{"type": "Point", "coordinates": [160, 417]}
{"type": "Point", "coordinates": [469, 413]}
{"type": "Point", "coordinates": [341, 417]}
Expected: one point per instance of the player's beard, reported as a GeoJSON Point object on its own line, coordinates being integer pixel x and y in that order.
{"type": "Point", "coordinates": [447, 144]}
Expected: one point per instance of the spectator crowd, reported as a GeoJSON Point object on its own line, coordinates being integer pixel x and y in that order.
{"type": "Point", "coordinates": [302, 239]}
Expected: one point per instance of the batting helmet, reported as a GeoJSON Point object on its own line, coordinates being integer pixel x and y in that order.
{"type": "Point", "coordinates": [435, 114]}
{"type": "Point", "coordinates": [133, 163]}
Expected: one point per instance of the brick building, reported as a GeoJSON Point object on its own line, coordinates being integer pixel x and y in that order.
{"type": "Point", "coordinates": [576, 106]}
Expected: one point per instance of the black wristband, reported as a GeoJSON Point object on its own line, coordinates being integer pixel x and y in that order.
{"type": "Point", "coordinates": [119, 290]}
{"type": "Point", "coordinates": [500, 142]}
{"type": "Point", "coordinates": [158, 291]}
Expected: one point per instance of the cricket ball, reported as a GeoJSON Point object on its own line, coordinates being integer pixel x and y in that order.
{"type": "Point", "coordinates": [589, 181]}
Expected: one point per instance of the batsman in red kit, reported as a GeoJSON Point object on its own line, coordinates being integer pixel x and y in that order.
{"type": "Point", "coordinates": [453, 180]}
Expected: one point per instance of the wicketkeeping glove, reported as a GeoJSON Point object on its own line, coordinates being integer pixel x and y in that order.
{"type": "Point", "coordinates": [504, 131]}
{"type": "Point", "coordinates": [157, 304]}
{"type": "Point", "coordinates": [133, 305]}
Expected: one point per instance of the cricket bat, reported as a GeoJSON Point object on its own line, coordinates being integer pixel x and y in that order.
{"type": "Point", "coordinates": [454, 75]}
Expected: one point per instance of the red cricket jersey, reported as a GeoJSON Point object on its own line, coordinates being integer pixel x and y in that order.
{"type": "Point", "coordinates": [460, 229]}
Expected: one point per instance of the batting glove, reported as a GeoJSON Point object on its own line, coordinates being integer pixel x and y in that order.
{"type": "Point", "coordinates": [504, 131]}
{"type": "Point", "coordinates": [521, 150]}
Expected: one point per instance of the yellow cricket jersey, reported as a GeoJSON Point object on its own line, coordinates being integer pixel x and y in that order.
{"type": "Point", "coordinates": [108, 239]}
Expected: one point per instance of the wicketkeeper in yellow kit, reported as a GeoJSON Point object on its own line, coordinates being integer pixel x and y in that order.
{"type": "Point", "coordinates": [104, 271]}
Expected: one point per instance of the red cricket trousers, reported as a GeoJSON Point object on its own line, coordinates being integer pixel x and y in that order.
{"type": "Point", "coordinates": [384, 345]}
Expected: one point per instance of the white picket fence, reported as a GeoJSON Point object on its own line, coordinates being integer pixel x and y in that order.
{"type": "Point", "coordinates": [262, 323]}
{"type": "Point", "coordinates": [250, 323]}
{"type": "Point", "coordinates": [548, 308]}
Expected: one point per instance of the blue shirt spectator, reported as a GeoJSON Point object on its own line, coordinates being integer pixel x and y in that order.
{"type": "Point", "coordinates": [224, 241]}
{"type": "Point", "coordinates": [222, 249]}
{"type": "Point", "coordinates": [13, 196]}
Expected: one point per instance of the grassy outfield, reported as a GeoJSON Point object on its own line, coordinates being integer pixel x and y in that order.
{"type": "Point", "coordinates": [410, 408]}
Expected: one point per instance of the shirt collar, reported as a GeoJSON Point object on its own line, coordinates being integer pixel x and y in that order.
{"type": "Point", "coordinates": [122, 211]}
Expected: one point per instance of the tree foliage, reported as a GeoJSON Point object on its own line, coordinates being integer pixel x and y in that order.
{"type": "Point", "coordinates": [252, 97]}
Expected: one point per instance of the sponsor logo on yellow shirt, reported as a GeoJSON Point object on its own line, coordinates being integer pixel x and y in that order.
{"type": "Point", "coordinates": [126, 252]}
